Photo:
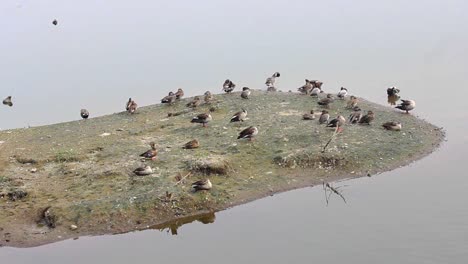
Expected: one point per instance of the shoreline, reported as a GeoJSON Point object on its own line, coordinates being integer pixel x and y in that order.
{"type": "Point", "coordinates": [153, 212]}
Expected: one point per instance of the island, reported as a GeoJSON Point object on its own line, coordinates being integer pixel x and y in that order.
{"type": "Point", "coordinates": [76, 178]}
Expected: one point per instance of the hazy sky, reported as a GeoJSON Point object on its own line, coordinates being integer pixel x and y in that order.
{"type": "Point", "coordinates": [103, 52]}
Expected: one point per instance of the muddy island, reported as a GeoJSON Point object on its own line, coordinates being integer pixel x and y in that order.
{"type": "Point", "coordinates": [74, 179]}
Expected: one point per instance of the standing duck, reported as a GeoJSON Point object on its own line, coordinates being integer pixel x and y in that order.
{"type": "Point", "coordinates": [355, 116]}
{"type": "Point", "coordinates": [228, 86]}
{"type": "Point", "coordinates": [309, 116]}
{"type": "Point", "coordinates": [192, 144]}
{"type": "Point", "coordinates": [143, 171]}
{"type": "Point", "coordinates": [245, 93]}
{"type": "Point", "coordinates": [339, 121]}
{"type": "Point", "coordinates": [270, 81]}
{"type": "Point", "coordinates": [324, 117]}
{"type": "Point", "coordinates": [406, 105]}
{"type": "Point", "coordinates": [392, 126]}
{"type": "Point", "coordinates": [151, 153]}
{"type": "Point", "coordinates": [202, 185]}
{"type": "Point", "coordinates": [392, 91]}
{"type": "Point", "coordinates": [194, 103]}
{"type": "Point", "coordinates": [131, 106]}
{"type": "Point", "coordinates": [179, 94]}
{"type": "Point", "coordinates": [352, 102]}
{"type": "Point", "coordinates": [84, 113]}
{"type": "Point", "coordinates": [7, 101]}
{"type": "Point", "coordinates": [326, 101]}
{"type": "Point", "coordinates": [367, 119]}
{"type": "Point", "coordinates": [342, 93]}
{"type": "Point", "coordinates": [239, 116]}
{"type": "Point", "coordinates": [202, 119]}
{"type": "Point", "coordinates": [249, 133]}
{"type": "Point", "coordinates": [306, 88]}
{"type": "Point", "coordinates": [208, 97]}
{"type": "Point", "coordinates": [169, 99]}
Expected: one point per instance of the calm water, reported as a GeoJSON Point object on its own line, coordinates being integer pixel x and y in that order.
{"type": "Point", "coordinates": [103, 52]}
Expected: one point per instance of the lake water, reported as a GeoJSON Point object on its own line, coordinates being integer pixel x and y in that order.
{"type": "Point", "coordinates": [102, 52]}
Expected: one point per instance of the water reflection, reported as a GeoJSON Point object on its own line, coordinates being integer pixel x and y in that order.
{"type": "Point", "coordinates": [173, 226]}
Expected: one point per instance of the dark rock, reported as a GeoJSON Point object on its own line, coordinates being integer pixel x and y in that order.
{"type": "Point", "coordinates": [17, 195]}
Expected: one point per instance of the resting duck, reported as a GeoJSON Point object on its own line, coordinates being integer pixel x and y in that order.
{"type": "Point", "coordinates": [392, 91]}
{"type": "Point", "coordinates": [131, 106]}
{"type": "Point", "coordinates": [208, 97]}
{"type": "Point", "coordinates": [169, 99]}
{"type": "Point", "coordinates": [367, 119]}
{"type": "Point", "coordinates": [228, 86]}
{"type": "Point", "coordinates": [7, 101]}
{"type": "Point", "coordinates": [239, 116]}
{"type": "Point", "coordinates": [326, 101]}
{"type": "Point", "coordinates": [194, 103]}
{"type": "Point", "coordinates": [393, 126]}
{"type": "Point", "coordinates": [245, 93]}
{"type": "Point", "coordinates": [355, 117]}
{"type": "Point", "coordinates": [339, 121]}
{"type": "Point", "coordinates": [202, 185]}
{"type": "Point", "coordinates": [179, 94]}
{"type": "Point", "coordinates": [192, 144]}
{"type": "Point", "coordinates": [143, 171]}
{"type": "Point", "coordinates": [324, 117]}
{"type": "Point", "coordinates": [202, 119]}
{"type": "Point", "coordinates": [352, 102]}
{"type": "Point", "coordinates": [306, 88]}
{"type": "Point", "coordinates": [309, 116]}
{"type": "Point", "coordinates": [406, 105]}
{"type": "Point", "coordinates": [342, 93]}
{"type": "Point", "coordinates": [84, 113]}
{"type": "Point", "coordinates": [249, 133]}
{"type": "Point", "coordinates": [152, 153]}
{"type": "Point", "coordinates": [315, 91]}
{"type": "Point", "coordinates": [270, 81]}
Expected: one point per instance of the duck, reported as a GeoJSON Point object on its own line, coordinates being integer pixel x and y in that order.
{"type": "Point", "coordinates": [8, 101]}
{"type": "Point", "coordinates": [249, 133]}
{"type": "Point", "coordinates": [270, 81]}
{"type": "Point", "coordinates": [194, 103]}
{"type": "Point", "coordinates": [228, 86]}
{"type": "Point", "coordinates": [84, 113]}
{"type": "Point", "coordinates": [143, 171]}
{"type": "Point", "coordinates": [309, 116]}
{"type": "Point", "coordinates": [392, 91]}
{"type": "Point", "coordinates": [55, 22]}
{"type": "Point", "coordinates": [245, 93]}
{"type": "Point", "coordinates": [339, 121]}
{"type": "Point", "coordinates": [368, 118]}
{"type": "Point", "coordinates": [208, 97]}
{"type": "Point", "coordinates": [315, 91]}
{"type": "Point", "coordinates": [202, 119]}
{"type": "Point", "coordinates": [202, 185]}
{"type": "Point", "coordinates": [355, 116]}
{"type": "Point", "coordinates": [169, 99]}
{"type": "Point", "coordinates": [151, 153]}
{"type": "Point", "coordinates": [342, 93]}
{"type": "Point", "coordinates": [131, 106]}
{"type": "Point", "coordinates": [326, 101]}
{"type": "Point", "coordinates": [392, 99]}
{"type": "Point", "coordinates": [239, 116]}
{"type": "Point", "coordinates": [318, 84]}
{"type": "Point", "coordinates": [352, 102]}
{"type": "Point", "coordinates": [179, 94]}
{"type": "Point", "coordinates": [306, 88]}
{"type": "Point", "coordinates": [406, 105]}
{"type": "Point", "coordinates": [324, 117]}
{"type": "Point", "coordinates": [192, 144]}
{"type": "Point", "coordinates": [392, 126]}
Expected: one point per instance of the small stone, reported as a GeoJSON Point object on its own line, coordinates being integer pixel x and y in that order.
{"type": "Point", "coordinates": [33, 170]}
{"type": "Point", "coordinates": [105, 134]}
{"type": "Point", "coordinates": [73, 227]}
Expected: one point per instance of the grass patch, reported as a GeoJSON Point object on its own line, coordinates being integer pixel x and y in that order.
{"type": "Point", "coordinates": [67, 156]}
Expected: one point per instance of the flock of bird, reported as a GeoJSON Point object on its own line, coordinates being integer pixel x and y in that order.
{"type": "Point", "coordinates": [311, 88]}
